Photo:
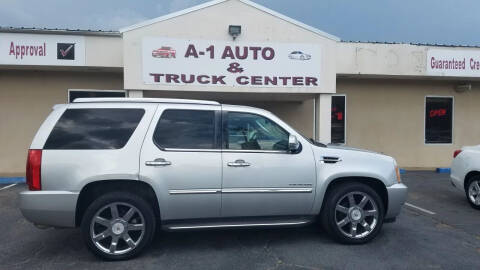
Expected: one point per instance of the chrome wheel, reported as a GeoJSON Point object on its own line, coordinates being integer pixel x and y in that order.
{"type": "Point", "coordinates": [356, 214]}
{"type": "Point", "coordinates": [117, 228]}
{"type": "Point", "coordinates": [474, 192]}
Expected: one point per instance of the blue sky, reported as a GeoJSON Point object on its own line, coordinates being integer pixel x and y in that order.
{"type": "Point", "coordinates": [454, 22]}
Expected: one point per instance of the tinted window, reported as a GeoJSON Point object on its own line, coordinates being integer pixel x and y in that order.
{"type": "Point", "coordinates": [438, 120]}
{"type": "Point", "coordinates": [186, 129]}
{"type": "Point", "coordinates": [93, 94]}
{"type": "Point", "coordinates": [338, 119]}
{"type": "Point", "coordinates": [94, 128]}
{"type": "Point", "coordinates": [247, 131]}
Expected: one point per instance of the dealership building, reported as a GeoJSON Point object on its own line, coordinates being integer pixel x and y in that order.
{"type": "Point", "coordinates": [417, 103]}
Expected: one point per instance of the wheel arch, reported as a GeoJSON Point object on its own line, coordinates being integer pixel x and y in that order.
{"type": "Point", "coordinates": [468, 177]}
{"type": "Point", "coordinates": [374, 183]}
{"type": "Point", "coordinates": [93, 190]}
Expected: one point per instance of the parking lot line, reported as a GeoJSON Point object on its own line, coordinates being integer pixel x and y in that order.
{"type": "Point", "coordinates": [420, 209]}
{"type": "Point", "coordinates": [9, 186]}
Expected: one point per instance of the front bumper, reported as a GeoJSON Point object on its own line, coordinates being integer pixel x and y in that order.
{"type": "Point", "coordinates": [50, 208]}
{"type": "Point", "coordinates": [397, 195]}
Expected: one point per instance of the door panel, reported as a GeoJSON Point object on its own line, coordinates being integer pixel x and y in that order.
{"type": "Point", "coordinates": [187, 181]}
{"type": "Point", "coordinates": [260, 177]}
{"type": "Point", "coordinates": [273, 184]}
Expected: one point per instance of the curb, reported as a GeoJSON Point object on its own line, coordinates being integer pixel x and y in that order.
{"type": "Point", "coordinates": [443, 170]}
{"type": "Point", "coordinates": [12, 180]}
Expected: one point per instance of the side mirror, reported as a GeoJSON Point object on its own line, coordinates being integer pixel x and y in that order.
{"type": "Point", "coordinates": [293, 143]}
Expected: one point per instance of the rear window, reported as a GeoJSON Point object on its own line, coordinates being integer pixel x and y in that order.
{"type": "Point", "coordinates": [94, 128]}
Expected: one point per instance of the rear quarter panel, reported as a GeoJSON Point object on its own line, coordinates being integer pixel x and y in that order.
{"type": "Point", "coordinates": [467, 161]}
{"type": "Point", "coordinates": [71, 170]}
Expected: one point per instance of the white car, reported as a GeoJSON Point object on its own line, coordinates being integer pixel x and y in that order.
{"type": "Point", "coordinates": [298, 55]}
{"type": "Point", "coordinates": [465, 173]}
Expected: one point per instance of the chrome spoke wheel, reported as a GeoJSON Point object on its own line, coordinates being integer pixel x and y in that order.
{"type": "Point", "coordinates": [474, 192]}
{"type": "Point", "coordinates": [117, 228]}
{"type": "Point", "coordinates": [356, 214]}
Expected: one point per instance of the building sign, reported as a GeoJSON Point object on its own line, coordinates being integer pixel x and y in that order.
{"type": "Point", "coordinates": [221, 63]}
{"type": "Point", "coordinates": [35, 49]}
{"type": "Point", "coordinates": [461, 63]}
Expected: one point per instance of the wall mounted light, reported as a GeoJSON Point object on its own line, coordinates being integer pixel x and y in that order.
{"type": "Point", "coordinates": [234, 30]}
{"type": "Point", "coordinates": [460, 88]}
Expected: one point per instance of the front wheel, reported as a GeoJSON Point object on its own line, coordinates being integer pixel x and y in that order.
{"type": "Point", "coordinates": [473, 192]}
{"type": "Point", "coordinates": [353, 213]}
{"type": "Point", "coordinates": [118, 225]}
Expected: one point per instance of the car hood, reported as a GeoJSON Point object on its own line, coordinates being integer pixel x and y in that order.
{"type": "Point", "coordinates": [333, 146]}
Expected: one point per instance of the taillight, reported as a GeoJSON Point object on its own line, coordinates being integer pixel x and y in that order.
{"type": "Point", "coordinates": [455, 154]}
{"type": "Point", "coordinates": [34, 166]}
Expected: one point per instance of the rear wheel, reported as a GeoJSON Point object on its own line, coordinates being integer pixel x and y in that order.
{"type": "Point", "coordinates": [118, 225]}
{"type": "Point", "coordinates": [353, 213]}
{"type": "Point", "coordinates": [473, 192]}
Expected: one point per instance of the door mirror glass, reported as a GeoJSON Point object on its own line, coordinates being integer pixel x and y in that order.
{"type": "Point", "coordinates": [293, 143]}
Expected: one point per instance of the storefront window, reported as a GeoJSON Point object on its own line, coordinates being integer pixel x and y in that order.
{"type": "Point", "coordinates": [438, 119]}
{"type": "Point", "coordinates": [73, 94]}
{"type": "Point", "coordinates": [338, 119]}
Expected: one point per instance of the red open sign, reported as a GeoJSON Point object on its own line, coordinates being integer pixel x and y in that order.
{"type": "Point", "coordinates": [437, 113]}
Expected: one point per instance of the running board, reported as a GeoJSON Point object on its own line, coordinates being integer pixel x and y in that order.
{"type": "Point", "coordinates": [212, 225]}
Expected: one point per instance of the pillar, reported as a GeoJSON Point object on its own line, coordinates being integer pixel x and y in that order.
{"type": "Point", "coordinates": [323, 110]}
{"type": "Point", "coordinates": [135, 93]}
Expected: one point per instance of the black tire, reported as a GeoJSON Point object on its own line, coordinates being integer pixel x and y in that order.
{"type": "Point", "coordinates": [122, 199]}
{"type": "Point", "coordinates": [467, 186]}
{"type": "Point", "coordinates": [328, 214]}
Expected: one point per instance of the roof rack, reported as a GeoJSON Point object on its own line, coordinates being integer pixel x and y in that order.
{"type": "Point", "coordinates": [145, 100]}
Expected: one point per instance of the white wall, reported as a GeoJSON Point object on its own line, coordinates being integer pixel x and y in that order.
{"type": "Point", "coordinates": [385, 60]}
{"type": "Point", "coordinates": [212, 24]}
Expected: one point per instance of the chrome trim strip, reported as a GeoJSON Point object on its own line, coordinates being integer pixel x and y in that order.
{"type": "Point", "coordinates": [224, 151]}
{"type": "Point", "coordinates": [193, 191]}
{"type": "Point", "coordinates": [255, 151]}
{"type": "Point", "coordinates": [236, 225]}
{"type": "Point", "coordinates": [239, 190]}
{"type": "Point", "coordinates": [267, 190]}
{"type": "Point", "coordinates": [191, 150]}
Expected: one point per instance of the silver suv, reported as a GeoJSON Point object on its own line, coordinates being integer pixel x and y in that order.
{"type": "Point", "coordinates": [121, 168]}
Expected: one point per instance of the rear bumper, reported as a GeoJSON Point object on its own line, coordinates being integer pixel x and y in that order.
{"type": "Point", "coordinates": [51, 208]}
{"type": "Point", "coordinates": [457, 182]}
{"type": "Point", "coordinates": [397, 195]}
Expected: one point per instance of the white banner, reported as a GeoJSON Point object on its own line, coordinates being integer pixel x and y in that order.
{"type": "Point", "coordinates": [459, 63]}
{"type": "Point", "coordinates": [36, 49]}
{"type": "Point", "coordinates": [221, 63]}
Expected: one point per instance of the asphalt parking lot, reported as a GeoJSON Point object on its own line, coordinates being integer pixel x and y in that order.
{"type": "Point", "coordinates": [438, 230]}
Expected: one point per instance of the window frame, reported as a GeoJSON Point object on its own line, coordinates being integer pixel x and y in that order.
{"type": "Point", "coordinates": [425, 119]}
{"type": "Point", "coordinates": [344, 116]}
{"type": "Point", "coordinates": [217, 132]}
{"type": "Point", "coordinates": [93, 91]}
{"type": "Point", "coordinates": [225, 136]}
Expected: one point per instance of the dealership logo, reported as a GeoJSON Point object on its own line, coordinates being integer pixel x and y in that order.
{"type": "Point", "coordinates": [164, 52]}
{"type": "Point", "coordinates": [66, 51]}
{"type": "Point", "coordinates": [298, 55]}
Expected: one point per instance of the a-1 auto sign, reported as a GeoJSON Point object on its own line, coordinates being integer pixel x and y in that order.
{"type": "Point", "coordinates": [448, 62]}
{"type": "Point", "coordinates": [220, 63]}
{"type": "Point", "coordinates": [34, 49]}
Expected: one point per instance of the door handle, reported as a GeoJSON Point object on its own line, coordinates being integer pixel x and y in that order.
{"type": "Point", "coordinates": [238, 163]}
{"type": "Point", "coordinates": [158, 162]}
